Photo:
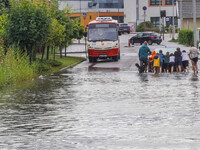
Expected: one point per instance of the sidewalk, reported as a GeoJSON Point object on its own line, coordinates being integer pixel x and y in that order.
{"type": "Point", "coordinates": [166, 42]}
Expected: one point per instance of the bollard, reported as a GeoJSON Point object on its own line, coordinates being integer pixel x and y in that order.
{"type": "Point", "coordinates": [129, 44]}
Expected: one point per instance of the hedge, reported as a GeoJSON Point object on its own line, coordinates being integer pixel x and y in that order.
{"type": "Point", "coordinates": [186, 37]}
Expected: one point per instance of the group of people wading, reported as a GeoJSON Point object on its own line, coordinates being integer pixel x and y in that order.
{"type": "Point", "coordinates": [169, 62]}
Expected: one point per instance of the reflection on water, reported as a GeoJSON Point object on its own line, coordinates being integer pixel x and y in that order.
{"type": "Point", "coordinates": [98, 108]}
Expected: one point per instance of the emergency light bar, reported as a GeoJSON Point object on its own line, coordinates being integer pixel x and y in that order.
{"type": "Point", "coordinates": [104, 19]}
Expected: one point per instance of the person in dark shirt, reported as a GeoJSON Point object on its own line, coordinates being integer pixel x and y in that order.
{"type": "Point", "coordinates": [144, 51]}
{"type": "Point", "coordinates": [178, 59]}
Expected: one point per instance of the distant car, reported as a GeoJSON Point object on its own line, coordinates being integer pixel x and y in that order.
{"type": "Point", "coordinates": [150, 37]}
{"type": "Point", "coordinates": [123, 27]}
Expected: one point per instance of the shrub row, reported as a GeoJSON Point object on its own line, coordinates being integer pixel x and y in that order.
{"type": "Point", "coordinates": [186, 37]}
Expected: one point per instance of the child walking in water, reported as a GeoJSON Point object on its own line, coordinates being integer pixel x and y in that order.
{"type": "Point", "coordinates": [172, 62]}
{"type": "Point", "coordinates": [166, 62]}
{"type": "Point", "coordinates": [161, 60]}
{"type": "Point", "coordinates": [156, 63]}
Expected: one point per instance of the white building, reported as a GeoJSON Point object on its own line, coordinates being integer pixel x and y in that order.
{"type": "Point", "coordinates": [134, 13]}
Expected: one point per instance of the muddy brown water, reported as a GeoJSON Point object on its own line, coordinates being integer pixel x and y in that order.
{"type": "Point", "coordinates": [102, 109]}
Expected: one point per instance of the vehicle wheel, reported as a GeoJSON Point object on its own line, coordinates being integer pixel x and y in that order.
{"type": "Point", "coordinates": [116, 58]}
{"type": "Point", "coordinates": [150, 42]}
{"type": "Point", "coordinates": [119, 56]}
{"type": "Point", "coordinates": [128, 32]}
{"type": "Point", "coordinates": [158, 43]}
{"type": "Point", "coordinates": [90, 59]}
{"type": "Point", "coordinates": [94, 59]}
{"type": "Point", "coordinates": [133, 43]}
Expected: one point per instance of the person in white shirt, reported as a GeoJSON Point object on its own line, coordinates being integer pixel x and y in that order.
{"type": "Point", "coordinates": [199, 45]}
{"type": "Point", "coordinates": [185, 61]}
{"type": "Point", "coordinates": [172, 62]}
{"type": "Point", "coordinates": [194, 54]}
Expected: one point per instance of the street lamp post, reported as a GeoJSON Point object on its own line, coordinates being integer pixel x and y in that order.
{"type": "Point", "coordinates": [181, 14]}
{"type": "Point", "coordinates": [80, 11]}
{"type": "Point", "coordinates": [173, 28]}
{"type": "Point", "coordinates": [194, 22]}
{"type": "Point", "coordinates": [118, 11]}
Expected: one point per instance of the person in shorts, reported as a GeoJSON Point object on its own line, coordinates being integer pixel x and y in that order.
{"type": "Point", "coordinates": [171, 62]}
{"type": "Point", "coordinates": [185, 61]}
{"type": "Point", "coordinates": [194, 56]}
{"type": "Point", "coordinates": [144, 51]}
{"type": "Point", "coordinates": [178, 59]}
{"type": "Point", "coordinates": [166, 62]}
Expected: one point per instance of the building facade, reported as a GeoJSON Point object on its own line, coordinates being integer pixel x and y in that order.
{"type": "Point", "coordinates": [134, 12]}
{"type": "Point", "coordinates": [185, 11]}
{"type": "Point", "coordinates": [88, 10]}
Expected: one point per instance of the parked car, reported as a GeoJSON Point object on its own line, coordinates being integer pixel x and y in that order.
{"type": "Point", "coordinates": [123, 27]}
{"type": "Point", "coordinates": [150, 37]}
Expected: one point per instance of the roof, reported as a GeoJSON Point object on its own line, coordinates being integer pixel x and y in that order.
{"type": "Point", "coordinates": [187, 9]}
{"type": "Point", "coordinates": [103, 20]}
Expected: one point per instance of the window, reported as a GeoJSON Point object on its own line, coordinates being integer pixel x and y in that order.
{"type": "Point", "coordinates": [90, 17]}
{"type": "Point", "coordinates": [155, 21]}
{"type": "Point", "coordinates": [155, 2]}
{"type": "Point", "coordinates": [111, 3]}
{"type": "Point", "coordinates": [169, 2]}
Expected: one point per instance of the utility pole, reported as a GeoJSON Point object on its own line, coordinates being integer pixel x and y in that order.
{"type": "Point", "coordinates": [181, 13]}
{"type": "Point", "coordinates": [137, 11]}
{"type": "Point", "coordinates": [160, 16]}
{"type": "Point", "coordinates": [194, 22]}
{"type": "Point", "coordinates": [173, 29]}
{"type": "Point", "coordinates": [118, 11]}
{"type": "Point", "coordinates": [80, 11]}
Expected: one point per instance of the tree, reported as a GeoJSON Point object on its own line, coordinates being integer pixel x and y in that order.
{"type": "Point", "coordinates": [28, 25]}
{"type": "Point", "coordinates": [57, 35]}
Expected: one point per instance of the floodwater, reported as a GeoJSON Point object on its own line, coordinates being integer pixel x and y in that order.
{"type": "Point", "coordinates": [102, 109]}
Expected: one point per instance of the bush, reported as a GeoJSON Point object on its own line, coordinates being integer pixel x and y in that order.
{"type": "Point", "coordinates": [140, 27]}
{"type": "Point", "coordinates": [53, 63]}
{"type": "Point", "coordinates": [153, 29]}
{"type": "Point", "coordinates": [186, 37]}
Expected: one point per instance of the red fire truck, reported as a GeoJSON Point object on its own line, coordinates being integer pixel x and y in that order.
{"type": "Point", "coordinates": [103, 40]}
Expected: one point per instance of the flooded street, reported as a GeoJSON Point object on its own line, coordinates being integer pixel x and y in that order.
{"type": "Point", "coordinates": [103, 106]}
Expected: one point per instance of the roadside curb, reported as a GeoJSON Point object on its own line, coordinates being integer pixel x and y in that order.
{"type": "Point", "coordinates": [72, 65]}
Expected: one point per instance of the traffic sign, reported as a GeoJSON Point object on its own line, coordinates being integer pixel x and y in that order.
{"type": "Point", "coordinates": [144, 8]}
{"type": "Point", "coordinates": [84, 15]}
{"type": "Point", "coordinates": [167, 19]}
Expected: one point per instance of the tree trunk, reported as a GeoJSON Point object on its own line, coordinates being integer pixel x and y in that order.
{"type": "Point", "coordinates": [54, 53]}
{"type": "Point", "coordinates": [52, 50]}
{"type": "Point", "coordinates": [43, 51]}
{"type": "Point", "coordinates": [48, 47]}
{"type": "Point", "coordinates": [60, 51]}
{"type": "Point", "coordinates": [30, 55]}
{"type": "Point", "coordinates": [66, 49]}
{"type": "Point", "coordinates": [34, 54]}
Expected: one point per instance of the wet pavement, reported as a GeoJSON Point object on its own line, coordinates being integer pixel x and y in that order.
{"type": "Point", "coordinates": [103, 106]}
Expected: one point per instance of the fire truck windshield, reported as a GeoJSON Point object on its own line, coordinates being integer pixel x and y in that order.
{"type": "Point", "coordinates": [102, 32]}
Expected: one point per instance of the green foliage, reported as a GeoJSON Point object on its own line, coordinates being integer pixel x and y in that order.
{"type": "Point", "coordinates": [186, 37]}
{"type": "Point", "coordinates": [14, 68]}
{"type": "Point", "coordinates": [140, 27]}
{"type": "Point", "coordinates": [53, 63]}
{"type": "Point", "coordinates": [28, 24]}
{"type": "Point", "coordinates": [56, 35]}
{"type": "Point", "coordinates": [3, 19]}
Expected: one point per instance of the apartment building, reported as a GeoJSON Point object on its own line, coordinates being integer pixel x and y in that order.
{"type": "Point", "coordinates": [187, 13]}
{"type": "Point", "coordinates": [134, 13]}
{"type": "Point", "coordinates": [88, 10]}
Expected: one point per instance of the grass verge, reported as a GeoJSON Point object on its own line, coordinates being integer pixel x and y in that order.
{"type": "Point", "coordinates": [15, 68]}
